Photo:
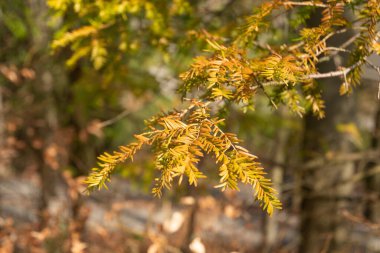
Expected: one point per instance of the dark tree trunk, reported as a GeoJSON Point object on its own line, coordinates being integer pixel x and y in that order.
{"type": "Point", "coordinates": [372, 209]}
{"type": "Point", "coordinates": [326, 189]}
{"type": "Point", "coordinates": [52, 154]}
{"type": "Point", "coordinates": [324, 195]}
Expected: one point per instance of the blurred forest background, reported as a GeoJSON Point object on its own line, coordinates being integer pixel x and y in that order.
{"type": "Point", "coordinates": [58, 111]}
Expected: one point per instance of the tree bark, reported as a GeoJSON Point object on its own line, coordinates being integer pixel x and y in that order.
{"type": "Point", "coordinates": [52, 156]}
{"type": "Point", "coordinates": [323, 198]}
{"type": "Point", "coordinates": [372, 209]}
{"type": "Point", "coordinates": [326, 190]}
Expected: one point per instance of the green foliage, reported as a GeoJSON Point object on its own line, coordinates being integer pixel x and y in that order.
{"type": "Point", "coordinates": [235, 70]}
{"type": "Point", "coordinates": [125, 21]}
{"type": "Point", "coordinates": [16, 27]}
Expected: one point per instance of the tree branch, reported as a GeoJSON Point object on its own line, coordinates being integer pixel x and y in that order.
{"type": "Point", "coordinates": [307, 3]}
{"type": "Point", "coordinates": [336, 73]}
{"type": "Point", "coordinates": [114, 119]}
{"type": "Point", "coordinates": [377, 68]}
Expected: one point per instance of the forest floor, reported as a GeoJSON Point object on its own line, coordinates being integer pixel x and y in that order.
{"type": "Point", "coordinates": [125, 220]}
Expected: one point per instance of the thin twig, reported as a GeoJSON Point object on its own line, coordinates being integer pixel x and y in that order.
{"type": "Point", "coordinates": [307, 3]}
{"type": "Point", "coordinates": [350, 41]}
{"type": "Point", "coordinates": [328, 36]}
{"type": "Point", "coordinates": [369, 155]}
{"type": "Point", "coordinates": [377, 68]}
{"type": "Point", "coordinates": [114, 119]}
{"type": "Point", "coordinates": [332, 73]}
{"type": "Point", "coordinates": [336, 73]}
{"type": "Point", "coordinates": [342, 46]}
{"type": "Point", "coordinates": [300, 44]}
{"type": "Point", "coordinates": [327, 243]}
{"type": "Point", "coordinates": [336, 49]}
{"type": "Point", "coordinates": [266, 94]}
{"type": "Point", "coordinates": [360, 220]}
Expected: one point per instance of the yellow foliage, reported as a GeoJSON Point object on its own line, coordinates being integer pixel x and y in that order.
{"type": "Point", "coordinates": [234, 72]}
{"type": "Point", "coordinates": [179, 140]}
{"type": "Point", "coordinates": [70, 37]}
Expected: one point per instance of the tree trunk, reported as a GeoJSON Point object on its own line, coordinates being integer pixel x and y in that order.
{"type": "Point", "coordinates": [326, 189]}
{"type": "Point", "coordinates": [372, 210]}
{"type": "Point", "coordinates": [372, 183]}
{"type": "Point", "coordinates": [52, 155]}
{"type": "Point", "coordinates": [323, 194]}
